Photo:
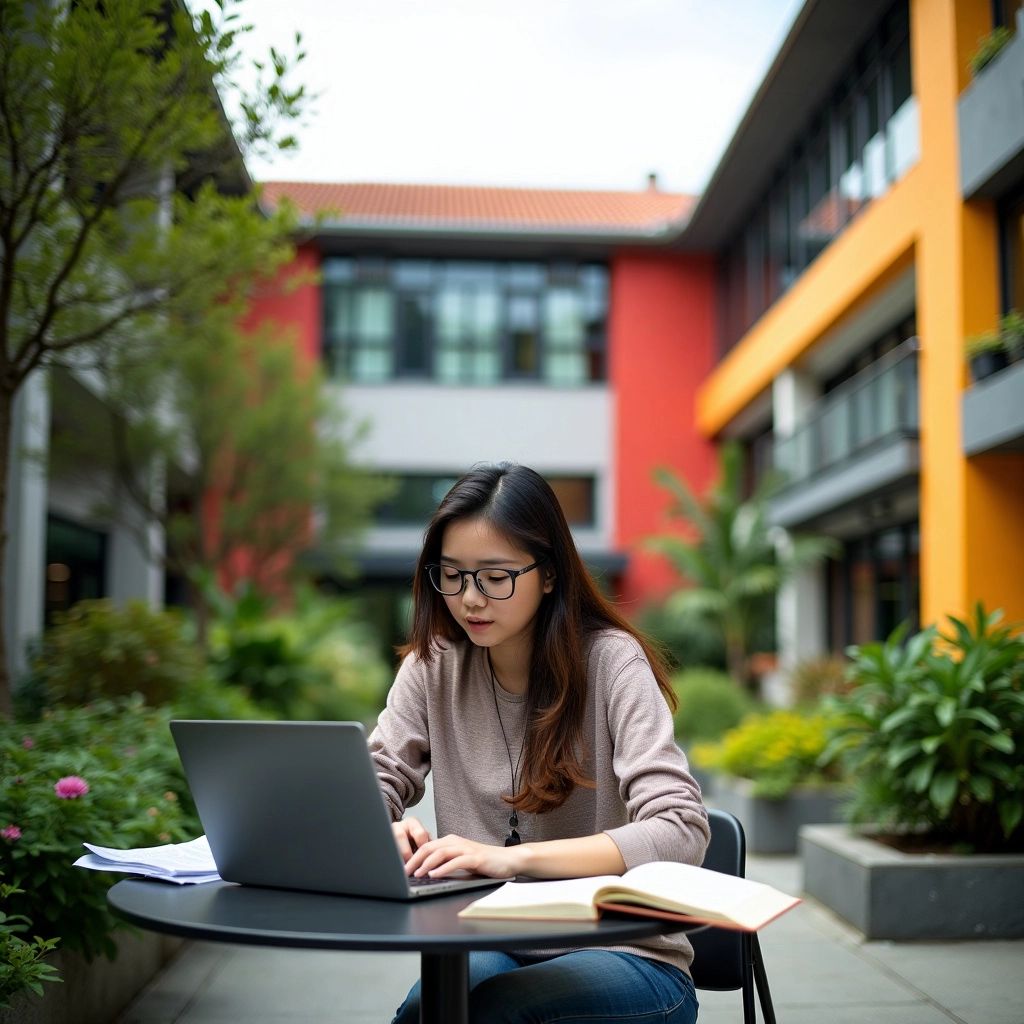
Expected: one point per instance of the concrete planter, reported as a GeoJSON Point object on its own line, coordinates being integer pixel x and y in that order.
{"type": "Point", "coordinates": [96, 992]}
{"type": "Point", "coordinates": [888, 894]}
{"type": "Point", "coordinates": [773, 825]}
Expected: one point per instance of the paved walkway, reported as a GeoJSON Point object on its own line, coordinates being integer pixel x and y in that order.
{"type": "Point", "coordinates": [820, 972]}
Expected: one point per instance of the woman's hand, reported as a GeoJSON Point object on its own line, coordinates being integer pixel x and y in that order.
{"type": "Point", "coordinates": [440, 858]}
{"type": "Point", "coordinates": [410, 835]}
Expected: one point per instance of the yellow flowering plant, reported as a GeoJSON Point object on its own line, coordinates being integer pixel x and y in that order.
{"type": "Point", "coordinates": [777, 750]}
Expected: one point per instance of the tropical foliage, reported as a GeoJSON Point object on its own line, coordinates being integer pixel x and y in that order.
{"type": "Point", "coordinates": [736, 561]}
{"type": "Point", "coordinates": [931, 732]}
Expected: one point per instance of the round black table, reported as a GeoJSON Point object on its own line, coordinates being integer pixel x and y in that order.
{"type": "Point", "coordinates": [225, 912]}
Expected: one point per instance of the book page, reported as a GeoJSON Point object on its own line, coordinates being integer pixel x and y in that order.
{"type": "Point", "coordinates": [699, 892]}
{"type": "Point", "coordinates": [570, 898]}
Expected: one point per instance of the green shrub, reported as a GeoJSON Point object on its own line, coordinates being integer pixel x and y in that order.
{"type": "Point", "coordinates": [316, 662]}
{"type": "Point", "coordinates": [97, 649]}
{"type": "Point", "coordinates": [710, 702]}
{"type": "Point", "coordinates": [689, 642]}
{"type": "Point", "coordinates": [815, 678]}
{"type": "Point", "coordinates": [932, 733]}
{"type": "Point", "coordinates": [777, 750]}
{"type": "Point", "coordinates": [128, 793]}
{"type": "Point", "coordinates": [23, 966]}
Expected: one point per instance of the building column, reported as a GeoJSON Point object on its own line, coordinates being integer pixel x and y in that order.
{"type": "Point", "coordinates": [970, 507]}
{"type": "Point", "coordinates": [800, 603]}
{"type": "Point", "coordinates": [25, 563]}
{"type": "Point", "coordinates": [135, 565]}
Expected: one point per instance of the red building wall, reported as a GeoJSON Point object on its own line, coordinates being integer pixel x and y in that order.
{"type": "Point", "coordinates": [292, 299]}
{"type": "Point", "coordinates": [661, 343]}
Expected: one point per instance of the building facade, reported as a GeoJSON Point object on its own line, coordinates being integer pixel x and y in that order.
{"type": "Point", "coordinates": [878, 228]}
{"type": "Point", "coordinates": [551, 328]}
{"type": "Point", "coordinates": [814, 302]}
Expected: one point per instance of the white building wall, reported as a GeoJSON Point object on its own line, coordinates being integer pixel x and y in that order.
{"type": "Point", "coordinates": [800, 604]}
{"type": "Point", "coordinates": [25, 521]}
{"type": "Point", "coordinates": [439, 429]}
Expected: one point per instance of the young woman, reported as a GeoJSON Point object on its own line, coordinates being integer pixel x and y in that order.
{"type": "Point", "coordinates": [544, 718]}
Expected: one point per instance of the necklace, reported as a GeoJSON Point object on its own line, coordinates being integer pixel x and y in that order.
{"type": "Point", "coordinates": [512, 839]}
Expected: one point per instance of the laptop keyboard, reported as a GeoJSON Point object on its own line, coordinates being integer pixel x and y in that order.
{"type": "Point", "coordinates": [426, 881]}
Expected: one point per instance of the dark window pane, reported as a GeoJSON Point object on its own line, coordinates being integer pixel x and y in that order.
{"type": "Point", "coordinates": [75, 565]}
{"type": "Point", "coordinates": [576, 496]}
{"type": "Point", "coordinates": [414, 328]}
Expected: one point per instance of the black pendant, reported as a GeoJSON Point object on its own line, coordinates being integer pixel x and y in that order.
{"type": "Point", "coordinates": [512, 839]}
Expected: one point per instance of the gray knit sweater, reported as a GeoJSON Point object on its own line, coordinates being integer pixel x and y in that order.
{"type": "Point", "coordinates": [440, 717]}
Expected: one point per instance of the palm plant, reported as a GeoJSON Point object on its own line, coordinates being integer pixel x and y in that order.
{"type": "Point", "coordinates": [737, 560]}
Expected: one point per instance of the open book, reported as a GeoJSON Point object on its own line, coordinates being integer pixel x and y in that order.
{"type": "Point", "coordinates": [659, 889]}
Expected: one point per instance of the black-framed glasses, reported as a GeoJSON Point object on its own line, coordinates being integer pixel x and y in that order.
{"type": "Point", "coordinates": [497, 584]}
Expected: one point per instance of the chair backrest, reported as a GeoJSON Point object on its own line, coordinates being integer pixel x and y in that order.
{"type": "Point", "coordinates": [719, 954]}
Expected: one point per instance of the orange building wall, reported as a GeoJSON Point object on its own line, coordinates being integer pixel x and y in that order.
{"type": "Point", "coordinates": [661, 337]}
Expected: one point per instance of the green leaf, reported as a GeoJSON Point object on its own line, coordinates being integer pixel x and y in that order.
{"type": "Point", "coordinates": [981, 786]}
{"type": "Point", "coordinates": [1010, 814]}
{"type": "Point", "coordinates": [945, 712]}
{"type": "Point", "coordinates": [942, 791]}
{"type": "Point", "coordinates": [920, 776]}
{"type": "Point", "coordinates": [1000, 741]}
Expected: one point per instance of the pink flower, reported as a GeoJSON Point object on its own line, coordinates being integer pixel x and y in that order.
{"type": "Point", "coordinates": [71, 787]}
{"type": "Point", "coordinates": [11, 832]}
{"type": "Point", "coordinates": [28, 743]}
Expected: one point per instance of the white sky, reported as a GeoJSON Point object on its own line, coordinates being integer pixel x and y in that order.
{"type": "Point", "coordinates": [534, 93]}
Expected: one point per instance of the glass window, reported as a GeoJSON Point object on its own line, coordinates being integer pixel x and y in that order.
{"type": "Point", "coordinates": [524, 335]}
{"type": "Point", "coordinates": [565, 357]}
{"type": "Point", "coordinates": [76, 559]}
{"type": "Point", "coordinates": [1011, 223]}
{"type": "Point", "coordinates": [464, 321]}
{"type": "Point", "coordinates": [417, 495]}
{"type": "Point", "coordinates": [874, 586]}
{"type": "Point", "coordinates": [576, 496]}
{"type": "Point", "coordinates": [857, 143]}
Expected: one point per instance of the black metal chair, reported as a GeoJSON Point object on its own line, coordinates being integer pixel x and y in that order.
{"type": "Point", "coordinates": [726, 960]}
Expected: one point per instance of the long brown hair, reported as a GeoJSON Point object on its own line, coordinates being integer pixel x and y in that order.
{"type": "Point", "coordinates": [520, 504]}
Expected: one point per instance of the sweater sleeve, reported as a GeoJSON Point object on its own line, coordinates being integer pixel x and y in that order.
{"type": "Point", "coordinates": [667, 818]}
{"type": "Point", "coordinates": [400, 744]}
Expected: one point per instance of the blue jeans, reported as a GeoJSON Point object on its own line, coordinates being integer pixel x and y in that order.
{"type": "Point", "coordinates": [588, 985]}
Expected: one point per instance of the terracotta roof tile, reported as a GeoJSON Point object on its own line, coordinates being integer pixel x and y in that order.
{"type": "Point", "coordinates": [474, 207]}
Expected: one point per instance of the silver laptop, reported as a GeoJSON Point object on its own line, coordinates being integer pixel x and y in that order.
{"type": "Point", "coordinates": [296, 805]}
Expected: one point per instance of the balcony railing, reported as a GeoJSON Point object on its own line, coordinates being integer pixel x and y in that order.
{"type": "Point", "coordinates": [877, 405]}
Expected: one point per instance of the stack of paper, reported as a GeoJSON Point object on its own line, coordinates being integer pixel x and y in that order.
{"type": "Point", "coordinates": [183, 863]}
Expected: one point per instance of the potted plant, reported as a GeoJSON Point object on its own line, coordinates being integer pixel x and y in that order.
{"type": "Point", "coordinates": [770, 776]}
{"type": "Point", "coordinates": [989, 48]}
{"type": "Point", "coordinates": [1011, 327]}
{"type": "Point", "coordinates": [986, 354]}
{"type": "Point", "coordinates": [930, 737]}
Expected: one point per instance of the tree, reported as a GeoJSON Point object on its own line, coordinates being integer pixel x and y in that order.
{"type": "Point", "coordinates": [267, 470]}
{"type": "Point", "coordinates": [124, 210]}
{"type": "Point", "coordinates": [737, 561]}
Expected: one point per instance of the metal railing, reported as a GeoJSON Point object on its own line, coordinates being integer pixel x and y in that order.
{"type": "Point", "coordinates": [875, 405]}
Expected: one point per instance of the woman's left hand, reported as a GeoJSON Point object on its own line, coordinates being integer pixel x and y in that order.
{"type": "Point", "coordinates": [441, 857]}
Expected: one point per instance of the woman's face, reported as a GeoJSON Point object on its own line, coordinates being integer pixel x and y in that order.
{"type": "Point", "coordinates": [475, 544]}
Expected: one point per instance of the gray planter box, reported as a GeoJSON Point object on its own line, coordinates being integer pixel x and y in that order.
{"type": "Point", "coordinates": [773, 826]}
{"type": "Point", "coordinates": [96, 992]}
{"type": "Point", "coordinates": [887, 894]}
